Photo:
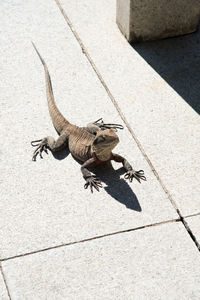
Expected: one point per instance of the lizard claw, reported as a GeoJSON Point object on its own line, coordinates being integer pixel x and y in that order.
{"type": "Point", "coordinates": [41, 146]}
{"type": "Point", "coordinates": [93, 182]}
{"type": "Point", "coordinates": [36, 143]}
{"type": "Point", "coordinates": [100, 123]}
{"type": "Point", "coordinates": [138, 175]}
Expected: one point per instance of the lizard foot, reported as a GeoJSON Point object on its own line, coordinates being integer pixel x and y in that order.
{"type": "Point", "coordinates": [100, 123]}
{"type": "Point", "coordinates": [93, 182]}
{"type": "Point", "coordinates": [41, 146]}
{"type": "Point", "coordinates": [138, 175]}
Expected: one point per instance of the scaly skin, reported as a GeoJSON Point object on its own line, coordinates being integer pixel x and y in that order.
{"type": "Point", "coordinates": [92, 144]}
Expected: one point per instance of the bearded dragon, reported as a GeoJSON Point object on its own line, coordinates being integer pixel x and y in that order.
{"type": "Point", "coordinates": [91, 145]}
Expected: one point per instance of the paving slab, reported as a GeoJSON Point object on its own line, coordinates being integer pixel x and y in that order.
{"type": "Point", "coordinates": [44, 204]}
{"type": "Point", "coordinates": [194, 224]}
{"type": "Point", "coordinates": [153, 85]}
{"type": "Point", "coordinates": [160, 262]}
{"type": "Point", "coordinates": [3, 291]}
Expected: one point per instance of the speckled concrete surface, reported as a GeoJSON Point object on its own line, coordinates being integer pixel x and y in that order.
{"type": "Point", "coordinates": [153, 263]}
{"type": "Point", "coordinates": [45, 201]}
{"type": "Point", "coordinates": [44, 205]}
{"type": "Point", "coordinates": [153, 85]}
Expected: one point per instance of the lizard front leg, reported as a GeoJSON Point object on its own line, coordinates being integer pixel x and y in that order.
{"type": "Point", "coordinates": [138, 175]}
{"type": "Point", "coordinates": [49, 143]}
{"type": "Point", "coordinates": [91, 180]}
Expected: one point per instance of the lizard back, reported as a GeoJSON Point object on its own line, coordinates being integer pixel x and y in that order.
{"type": "Point", "coordinates": [80, 141]}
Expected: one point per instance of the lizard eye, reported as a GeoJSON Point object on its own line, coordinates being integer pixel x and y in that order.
{"type": "Point", "coordinates": [98, 140]}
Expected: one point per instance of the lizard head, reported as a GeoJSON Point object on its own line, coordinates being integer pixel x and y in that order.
{"type": "Point", "coordinates": [104, 142]}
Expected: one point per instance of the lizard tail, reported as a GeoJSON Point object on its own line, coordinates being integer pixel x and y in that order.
{"type": "Point", "coordinates": [58, 120]}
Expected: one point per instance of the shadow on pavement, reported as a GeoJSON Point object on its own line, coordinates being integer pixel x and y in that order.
{"type": "Point", "coordinates": [117, 187]}
{"type": "Point", "coordinates": [61, 154]}
{"type": "Point", "coordinates": [177, 60]}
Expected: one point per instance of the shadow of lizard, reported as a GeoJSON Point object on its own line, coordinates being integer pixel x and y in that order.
{"type": "Point", "coordinates": [61, 154]}
{"type": "Point", "coordinates": [116, 187]}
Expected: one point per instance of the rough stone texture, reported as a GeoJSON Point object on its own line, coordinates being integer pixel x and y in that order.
{"type": "Point", "coordinates": [194, 224]}
{"type": "Point", "coordinates": [3, 291]}
{"type": "Point", "coordinates": [155, 19]}
{"type": "Point", "coordinates": [154, 263]}
{"type": "Point", "coordinates": [153, 84]}
{"type": "Point", "coordinates": [45, 202]}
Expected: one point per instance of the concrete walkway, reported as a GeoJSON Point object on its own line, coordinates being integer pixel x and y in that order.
{"type": "Point", "coordinates": [130, 241]}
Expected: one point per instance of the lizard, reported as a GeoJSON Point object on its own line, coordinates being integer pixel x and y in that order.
{"type": "Point", "coordinates": [91, 145]}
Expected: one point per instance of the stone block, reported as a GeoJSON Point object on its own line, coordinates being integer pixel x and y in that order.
{"type": "Point", "coordinates": [156, 19]}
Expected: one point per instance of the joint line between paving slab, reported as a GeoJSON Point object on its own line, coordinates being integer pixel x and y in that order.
{"type": "Point", "coordinates": [84, 50]}
{"type": "Point", "coordinates": [91, 239]}
{"type": "Point", "coordinates": [189, 230]}
{"type": "Point", "coordinates": [193, 215]}
{"type": "Point", "coordinates": [4, 279]}
{"type": "Point", "coordinates": [191, 234]}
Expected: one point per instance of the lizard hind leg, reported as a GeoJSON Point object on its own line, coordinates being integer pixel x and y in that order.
{"type": "Point", "coordinates": [49, 143]}
{"type": "Point", "coordinates": [100, 123]}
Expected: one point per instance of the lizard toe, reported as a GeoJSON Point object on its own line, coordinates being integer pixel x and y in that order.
{"type": "Point", "coordinates": [41, 145]}
{"type": "Point", "coordinates": [138, 175]}
{"type": "Point", "coordinates": [93, 182]}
